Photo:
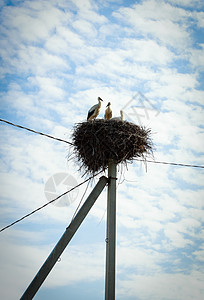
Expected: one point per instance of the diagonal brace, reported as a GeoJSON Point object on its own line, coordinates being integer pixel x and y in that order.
{"type": "Point", "coordinates": [64, 240]}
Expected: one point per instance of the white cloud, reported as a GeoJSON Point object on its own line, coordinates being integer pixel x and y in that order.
{"type": "Point", "coordinates": [25, 261]}
{"type": "Point", "coordinates": [200, 253]}
{"type": "Point", "coordinates": [32, 22]}
{"type": "Point", "coordinates": [63, 40]}
{"type": "Point", "coordinates": [200, 19]}
{"type": "Point", "coordinates": [58, 57]}
{"type": "Point", "coordinates": [191, 198]}
{"type": "Point", "coordinates": [190, 176]}
{"type": "Point", "coordinates": [176, 239]}
{"type": "Point", "coordinates": [197, 57]}
{"type": "Point", "coordinates": [49, 88]}
{"type": "Point", "coordinates": [190, 3]}
{"type": "Point", "coordinates": [136, 258]}
{"type": "Point", "coordinates": [88, 10]}
{"type": "Point", "coordinates": [147, 51]}
{"type": "Point", "coordinates": [158, 19]}
{"type": "Point", "coordinates": [85, 28]}
{"type": "Point", "coordinates": [32, 159]}
{"type": "Point", "coordinates": [163, 286]}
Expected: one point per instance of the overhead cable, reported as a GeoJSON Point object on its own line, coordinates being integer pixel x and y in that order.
{"type": "Point", "coordinates": [37, 132]}
{"type": "Point", "coordinates": [61, 140]}
{"type": "Point", "coordinates": [46, 204]}
{"type": "Point", "coordinates": [170, 163]}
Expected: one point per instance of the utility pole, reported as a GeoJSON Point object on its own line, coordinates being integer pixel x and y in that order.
{"type": "Point", "coordinates": [64, 240]}
{"type": "Point", "coordinates": [111, 233]}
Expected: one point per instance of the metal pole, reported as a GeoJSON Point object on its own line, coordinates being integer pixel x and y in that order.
{"type": "Point", "coordinates": [111, 233]}
{"type": "Point", "coordinates": [64, 240]}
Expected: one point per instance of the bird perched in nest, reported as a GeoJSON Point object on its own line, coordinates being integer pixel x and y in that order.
{"type": "Point", "coordinates": [108, 112]}
{"type": "Point", "coordinates": [94, 110]}
{"type": "Point", "coordinates": [121, 118]}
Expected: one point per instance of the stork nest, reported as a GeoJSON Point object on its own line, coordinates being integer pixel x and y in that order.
{"type": "Point", "coordinates": [99, 141]}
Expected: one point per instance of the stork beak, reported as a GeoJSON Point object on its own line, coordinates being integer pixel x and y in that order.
{"type": "Point", "coordinates": [108, 104]}
{"type": "Point", "coordinates": [100, 98]}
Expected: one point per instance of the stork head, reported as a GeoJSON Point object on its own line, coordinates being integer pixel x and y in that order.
{"type": "Point", "coordinates": [99, 99]}
{"type": "Point", "coordinates": [108, 104]}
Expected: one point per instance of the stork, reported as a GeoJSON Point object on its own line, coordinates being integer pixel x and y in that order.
{"type": "Point", "coordinates": [108, 112]}
{"type": "Point", "coordinates": [94, 110]}
{"type": "Point", "coordinates": [121, 118]}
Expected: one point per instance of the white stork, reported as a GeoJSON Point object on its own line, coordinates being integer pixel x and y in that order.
{"type": "Point", "coordinates": [94, 110]}
{"type": "Point", "coordinates": [108, 112]}
{"type": "Point", "coordinates": [121, 118]}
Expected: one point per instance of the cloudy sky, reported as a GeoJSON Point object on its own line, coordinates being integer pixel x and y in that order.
{"type": "Point", "coordinates": [145, 57]}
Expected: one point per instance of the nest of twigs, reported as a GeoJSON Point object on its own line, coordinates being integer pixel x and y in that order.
{"type": "Point", "coordinates": [96, 142]}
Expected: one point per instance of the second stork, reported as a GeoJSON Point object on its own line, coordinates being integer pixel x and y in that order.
{"type": "Point", "coordinates": [108, 112]}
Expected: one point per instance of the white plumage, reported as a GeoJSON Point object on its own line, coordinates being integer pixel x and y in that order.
{"type": "Point", "coordinates": [121, 118]}
{"type": "Point", "coordinates": [94, 110]}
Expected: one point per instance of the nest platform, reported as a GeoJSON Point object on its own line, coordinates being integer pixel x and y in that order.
{"type": "Point", "coordinates": [96, 142]}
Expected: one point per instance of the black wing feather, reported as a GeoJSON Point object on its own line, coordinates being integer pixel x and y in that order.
{"type": "Point", "coordinates": [90, 113]}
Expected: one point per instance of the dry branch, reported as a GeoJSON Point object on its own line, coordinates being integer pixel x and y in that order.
{"type": "Point", "coordinates": [96, 142]}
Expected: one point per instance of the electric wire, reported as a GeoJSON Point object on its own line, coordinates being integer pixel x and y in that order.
{"type": "Point", "coordinates": [170, 163]}
{"type": "Point", "coordinates": [37, 132]}
{"type": "Point", "coordinates": [61, 140]}
{"type": "Point", "coordinates": [46, 204]}
{"type": "Point", "coordinates": [80, 201]}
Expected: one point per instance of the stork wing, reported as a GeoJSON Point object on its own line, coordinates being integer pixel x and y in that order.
{"type": "Point", "coordinates": [91, 110]}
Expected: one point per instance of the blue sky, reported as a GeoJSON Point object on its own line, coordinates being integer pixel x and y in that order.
{"type": "Point", "coordinates": [146, 57]}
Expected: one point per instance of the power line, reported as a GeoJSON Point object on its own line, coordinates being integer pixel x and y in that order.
{"type": "Point", "coordinates": [37, 132]}
{"type": "Point", "coordinates": [61, 140]}
{"type": "Point", "coordinates": [46, 204]}
{"type": "Point", "coordinates": [80, 201]}
{"type": "Point", "coordinates": [171, 163]}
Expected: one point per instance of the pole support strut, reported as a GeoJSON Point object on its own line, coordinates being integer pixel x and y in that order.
{"type": "Point", "coordinates": [64, 240]}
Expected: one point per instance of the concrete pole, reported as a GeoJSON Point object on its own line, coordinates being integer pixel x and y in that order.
{"type": "Point", "coordinates": [63, 242]}
{"type": "Point", "coordinates": [111, 233]}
